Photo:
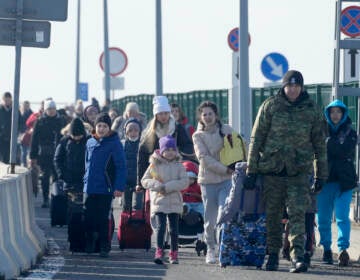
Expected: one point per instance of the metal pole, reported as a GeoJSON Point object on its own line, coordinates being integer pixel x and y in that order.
{"type": "Point", "coordinates": [106, 52]}
{"type": "Point", "coordinates": [77, 90]}
{"type": "Point", "coordinates": [15, 104]}
{"type": "Point", "coordinates": [159, 78]}
{"type": "Point", "coordinates": [244, 89]}
{"type": "Point", "coordinates": [336, 73]}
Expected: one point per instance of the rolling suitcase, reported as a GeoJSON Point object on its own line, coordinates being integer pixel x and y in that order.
{"type": "Point", "coordinates": [134, 230]}
{"type": "Point", "coordinates": [58, 204]}
{"type": "Point", "coordinates": [243, 237]}
{"type": "Point", "coordinates": [76, 227]}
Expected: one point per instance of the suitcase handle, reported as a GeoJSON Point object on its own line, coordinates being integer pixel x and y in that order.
{"type": "Point", "coordinates": [143, 209]}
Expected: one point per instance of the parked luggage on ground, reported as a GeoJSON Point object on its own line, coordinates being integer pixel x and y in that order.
{"type": "Point", "coordinates": [58, 204]}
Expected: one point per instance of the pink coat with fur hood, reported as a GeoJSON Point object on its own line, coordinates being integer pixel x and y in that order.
{"type": "Point", "coordinates": [170, 174]}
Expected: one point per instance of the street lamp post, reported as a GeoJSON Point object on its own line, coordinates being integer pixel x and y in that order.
{"type": "Point", "coordinates": [159, 78]}
{"type": "Point", "coordinates": [244, 89]}
{"type": "Point", "coordinates": [106, 52]}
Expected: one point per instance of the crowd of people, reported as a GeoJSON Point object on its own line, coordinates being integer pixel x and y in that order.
{"type": "Point", "coordinates": [292, 140]}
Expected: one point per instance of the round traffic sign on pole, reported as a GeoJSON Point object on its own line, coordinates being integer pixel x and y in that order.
{"type": "Point", "coordinates": [274, 66]}
{"type": "Point", "coordinates": [233, 39]}
{"type": "Point", "coordinates": [118, 61]}
{"type": "Point", "coordinates": [350, 21]}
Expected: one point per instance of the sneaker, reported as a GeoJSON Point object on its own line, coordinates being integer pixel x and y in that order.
{"type": "Point", "coordinates": [159, 254]}
{"type": "Point", "coordinates": [344, 258]}
{"type": "Point", "coordinates": [173, 257]}
{"type": "Point", "coordinates": [272, 262]}
{"type": "Point", "coordinates": [210, 256]}
{"type": "Point", "coordinates": [298, 266]}
{"type": "Point", "coordinates": [307, 259]}
{"type": "Point", "coordinates": [328, 257]}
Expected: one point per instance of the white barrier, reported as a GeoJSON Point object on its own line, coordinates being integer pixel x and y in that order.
{"type": "Point", "coordinates": [21, 240]}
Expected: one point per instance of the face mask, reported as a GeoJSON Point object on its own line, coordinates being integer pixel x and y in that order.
{"type": "Point", "coordinates": [133, 139]}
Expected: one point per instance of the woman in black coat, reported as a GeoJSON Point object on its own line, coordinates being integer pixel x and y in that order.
{"type": "Point", "coordinates": [69, 157]}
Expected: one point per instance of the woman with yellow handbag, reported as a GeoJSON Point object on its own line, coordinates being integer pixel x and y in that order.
{"type": "Point", "coordinates": [214, 176]}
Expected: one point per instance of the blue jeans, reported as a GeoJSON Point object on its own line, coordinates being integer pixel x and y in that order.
{"type": "Point", "coordinates": [213, 196]}
{"type": "Point", "coordinates": [328, 200]}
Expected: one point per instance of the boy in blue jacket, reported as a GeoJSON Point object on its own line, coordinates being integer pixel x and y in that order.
{"type": "Point", "coordinates": [105, 177]}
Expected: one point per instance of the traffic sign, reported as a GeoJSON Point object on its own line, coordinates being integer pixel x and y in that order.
{"type": "Point", "coordinates": [34, 33]}
{"type": "Point", "coordinates": [274, 66]}
{"type": "Point", "coordinates": [350, 21]}
{"type": "Point", "coordinates": [117, 59]}
{"type": "Point", "coordinates": [233, 39]}
{"type": "Point", "coordinates": [36, 9]}
{"type": "Point", "coordinates": [115, 83]}
{"type": "Point", "coordinates": [83, 91]}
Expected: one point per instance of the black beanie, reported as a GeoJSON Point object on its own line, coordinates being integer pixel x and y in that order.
{"type": "Point", "coordinates": [293, 77]}
{"type": "Point", "coordinates": [104, 118]}
{"type": "Point", "coordinates": [77, 127]}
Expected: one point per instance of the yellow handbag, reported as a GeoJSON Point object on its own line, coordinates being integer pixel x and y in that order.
{"type": "Point", "coordinates": [233, 151]}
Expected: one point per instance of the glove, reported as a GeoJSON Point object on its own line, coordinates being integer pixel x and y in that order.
{"type": "Point", "coordinates": [317, 186]}
{"type": "Point", "coordinates": [249, 181]}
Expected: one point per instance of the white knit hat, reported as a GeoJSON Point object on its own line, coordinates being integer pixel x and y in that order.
{"type": "Point", "coordinates": [49, 104]}
{"type": "Point", "coordinates": [160, 104]}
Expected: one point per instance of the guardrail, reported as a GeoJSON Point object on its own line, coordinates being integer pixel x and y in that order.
{"type": "Point", "coordinates": [21, 240]}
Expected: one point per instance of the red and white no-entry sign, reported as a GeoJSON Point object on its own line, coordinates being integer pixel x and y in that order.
{"type": "Point", "coordinates": [117, 59]}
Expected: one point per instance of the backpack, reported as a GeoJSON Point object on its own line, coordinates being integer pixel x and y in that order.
{"type": "Point", "coordinates": [233, 151]}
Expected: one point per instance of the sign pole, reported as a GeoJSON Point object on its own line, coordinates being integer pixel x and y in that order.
{"type": "Point", "coordinates": [77, 89]}
{"type": "Point", "coordinates": [244, 89]}
{"type": "Point", "coordinates": [159, 78]}
{"type": "Point", "coordinates": [106, 52]}
{"type": "Point", "coordinates": [15, 104]}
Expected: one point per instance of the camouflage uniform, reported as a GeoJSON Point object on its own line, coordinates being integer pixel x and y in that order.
{"type": "Point", "coordinates": [287, 144]}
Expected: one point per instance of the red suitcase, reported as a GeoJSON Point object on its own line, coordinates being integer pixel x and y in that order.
{"type": "Point", "coordinates": [134, 230]}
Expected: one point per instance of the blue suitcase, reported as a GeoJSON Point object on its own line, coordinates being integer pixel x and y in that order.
{"type": "Point", "coordinates": [243, 241]}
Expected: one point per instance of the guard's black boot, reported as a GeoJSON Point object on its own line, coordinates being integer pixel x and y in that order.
{"type": "Point", "coordinates": [297, 266]}
{"type": "Point", "coordinates": [328, 257]}
{"type": "Point", "coordinates": [273, 262]}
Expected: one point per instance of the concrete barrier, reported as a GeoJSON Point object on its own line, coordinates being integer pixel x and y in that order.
{"type": "Point", "coordinates": [21, 240]}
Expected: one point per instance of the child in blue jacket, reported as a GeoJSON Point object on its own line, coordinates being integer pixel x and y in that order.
{"type": "Point", "coordinates": [105, 176]}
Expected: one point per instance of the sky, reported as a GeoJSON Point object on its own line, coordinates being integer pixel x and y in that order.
{"type": "Point", "coordinates": [196, 55]}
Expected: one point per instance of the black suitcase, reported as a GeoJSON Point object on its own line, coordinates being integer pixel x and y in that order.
{"type": "Point", "coordinates": [76, 227]}
{"type": "Point", "coordinates": [58, 204]}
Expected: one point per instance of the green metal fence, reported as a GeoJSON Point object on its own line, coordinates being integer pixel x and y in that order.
{"type": "Point", "coordinates": [189, 101]}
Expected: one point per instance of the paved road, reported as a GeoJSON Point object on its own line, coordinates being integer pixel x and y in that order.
{"type": "Point", "coordinates": [138, 264]}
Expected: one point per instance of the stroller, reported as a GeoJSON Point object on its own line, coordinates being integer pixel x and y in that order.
{"type": "Point", "coordinates": [191, 229]}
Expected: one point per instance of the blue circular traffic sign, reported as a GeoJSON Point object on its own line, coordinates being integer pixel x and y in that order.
{"type": "Point", "coordinates": [350, 21]}
{"type": "Point", "coordinates": [274, 66]}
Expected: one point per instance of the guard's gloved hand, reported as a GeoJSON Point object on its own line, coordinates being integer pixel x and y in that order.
{"type": "Point", "coordinates": [317, 186]}
{"type": "Point", "coordinates": [249, 181]}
